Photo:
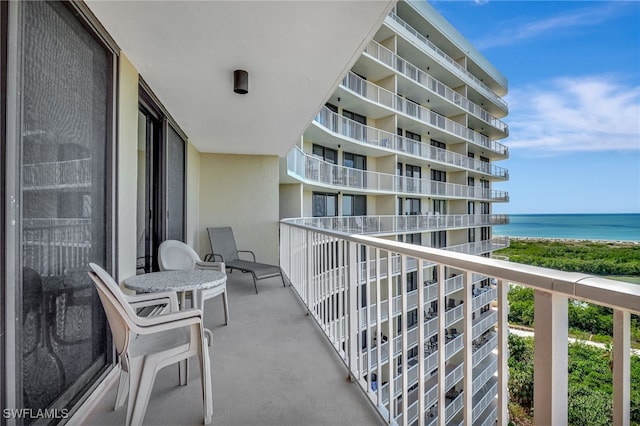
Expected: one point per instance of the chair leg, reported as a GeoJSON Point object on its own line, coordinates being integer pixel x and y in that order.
{"type": "Point", "coordinates": [183, 372]}
{"type": "Point", "coordinates": [135, 372]}
{"type": "Point", "coordinates": [207, 392]}
{"type": "Point", "coordinates": [284, 284]}
{"type": "Point", "coordinates": [123, 389]}
{"type": "Point", "coordinates": [255, 282]}
{"type": "Point", "coordinates": [144, 385]}
{"type": "Point", "coordinates": [225, 302]}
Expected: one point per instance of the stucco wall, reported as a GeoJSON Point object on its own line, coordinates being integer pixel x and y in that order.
{"type": "Point", "coordinates": [127, 167]}
{"type": "Point", "coordinates": [290, 200]}
{"type": "Point", "coordinates": [193, 196]}
{"type": "Point", "coordinates": [241, 191]}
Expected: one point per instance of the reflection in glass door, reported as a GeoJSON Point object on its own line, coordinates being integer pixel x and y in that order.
{"type": "Point", "coordinates": [148, 221]}
{"type": "Point", "coordinates": [62, 192]}
{"type": "Point", "coordinates": [161, 181]}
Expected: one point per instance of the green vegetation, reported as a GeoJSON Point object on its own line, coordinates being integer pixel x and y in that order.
{"type": "Point", "coordinates": [586, 321]}
{"type": "Point", "coordinates": [590, 257]}
{"type": "Point", "coordinates": [590, 384]}
{"type": "Point", "coordinates": [590, 379]}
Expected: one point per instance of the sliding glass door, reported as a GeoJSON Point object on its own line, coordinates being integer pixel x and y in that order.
{"type": "Point", "coordinates": [59, 149]}
{"type": "Point", "coordinates": [161, 181]}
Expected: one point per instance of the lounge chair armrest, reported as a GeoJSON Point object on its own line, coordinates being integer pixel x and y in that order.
{"type": "Point", "coordinates": [211, 257]}
{"type": "Point", "coordinates": [215, 266]}
{"type": "Point", "coordinates": [248, 251]}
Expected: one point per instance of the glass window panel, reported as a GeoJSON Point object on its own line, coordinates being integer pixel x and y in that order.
{"type": "Point", "coordinates": [347, 205]}
{"type": "Point", "coordinates": [175, 185]}
{"type": "Point", "coordinates": [332, 205]}
{"type": "Point", "coordinates": [66, 79]}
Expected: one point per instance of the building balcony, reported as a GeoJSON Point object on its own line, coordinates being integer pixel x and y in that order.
{"type": "Point", "coordinates": [381, 225]}
{"type": "Point", "coordinates": [438, 125]}
{"type": "Point", "coordinates": [404, 29]}
{"type": "Point", "coordinates": [270, 365]}
{"type": "Point", "coordinates": [452, 100]}
{"type": "Point", "coordinates": [314, 171]}
{"type": "Point", "coordinates": [332, 129]}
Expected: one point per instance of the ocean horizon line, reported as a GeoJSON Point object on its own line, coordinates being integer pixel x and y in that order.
{"type": "Point", "coordinates": [573, 226]}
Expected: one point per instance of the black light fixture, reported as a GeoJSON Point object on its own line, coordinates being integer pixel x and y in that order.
{"type": "Point", "coordinates": [241, 82]}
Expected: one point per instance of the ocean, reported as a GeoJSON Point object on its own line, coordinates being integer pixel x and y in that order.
{"type": "Point", "coordinates": [610, 227]}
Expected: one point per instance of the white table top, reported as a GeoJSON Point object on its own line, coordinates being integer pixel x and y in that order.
{"type": "Point", "coordinates": [175, 281]}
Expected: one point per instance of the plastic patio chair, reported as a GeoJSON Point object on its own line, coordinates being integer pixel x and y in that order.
{"type": "Point", "coordinates": [223, 245]}
{"type": "Point", "coordinates": [175, 255]}
{"type": "Point", "coordinates": [147, 344]}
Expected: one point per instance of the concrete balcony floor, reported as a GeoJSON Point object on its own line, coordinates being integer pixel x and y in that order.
{"type": "Point", "coordinates": [271, 366]}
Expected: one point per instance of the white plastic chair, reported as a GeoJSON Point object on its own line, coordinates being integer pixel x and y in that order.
{"type": "Point", "coordinates": [147, 344]}
{"type": "Point", "coordinates": [175, 255]}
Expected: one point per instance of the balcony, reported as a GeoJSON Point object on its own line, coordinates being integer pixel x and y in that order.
{"type": "Point", "coordinates": [306, 167]}
{"type": "Point", "coordinates": [434, 51]}
{"type": "Point", "coordinates": [328, 124]}
{"type": "Point", "coordinates": [270, 365]}
{"type": "Point", "coordinates": [392, 102]}
{"type": "Point", "coordinates": [325, 262]}
{"type": "Point", "coordinates": [387, 57]}
{"type": "Point", "coordinates": [380, 225]}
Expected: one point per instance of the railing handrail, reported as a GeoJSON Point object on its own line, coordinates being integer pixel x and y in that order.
{"type": "Point", "coordinates": [382, 139]}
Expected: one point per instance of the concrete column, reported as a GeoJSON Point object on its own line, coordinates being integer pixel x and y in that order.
{"type": "Point", "coordinates": [503, 353]}
{"type": "Point", "coordinates": [621, 367]}
{"type": "Point", "coordinates": [550, 359]}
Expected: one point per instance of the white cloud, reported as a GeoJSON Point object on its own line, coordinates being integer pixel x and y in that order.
{"type": "Point", "coordinates": [595, 113]}
{"type": "Point", "coordinates": [514, 33]}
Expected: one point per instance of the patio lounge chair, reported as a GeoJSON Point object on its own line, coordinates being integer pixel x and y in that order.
{"type": "Point", "coordinates": [223, 246]}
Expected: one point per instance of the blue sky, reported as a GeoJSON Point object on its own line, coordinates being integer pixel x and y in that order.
{"type": "Point", "coordinates": [574, 99]}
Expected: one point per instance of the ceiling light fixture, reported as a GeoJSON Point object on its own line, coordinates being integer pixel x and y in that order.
{"type": "Point", "coordinates": [241, 82]}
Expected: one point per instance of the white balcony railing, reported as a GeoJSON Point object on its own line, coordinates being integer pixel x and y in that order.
{"type": "Point", "coordinates": [70, 174]}
{"type": "Point", "coordinates": [312, 169]}
{"type": "Point", "coordinates": [398, 104]}
{"type": "Point", "coordinates": [371, 136]}
{"type": "Point", "coordinates": [387, 57]}
{"type": "Point", "coordinates": [400, 224]}
{"type": "Point", "coordinates": [449, 62]}
{"type": "Point", "coordinates": [484, 348]}
{"type": "Point", "coordinates": [484, 375]}
{"type": "Point", "coordinates": [325, 269]}
{"type": "Point", "coordinates": [56, 245]}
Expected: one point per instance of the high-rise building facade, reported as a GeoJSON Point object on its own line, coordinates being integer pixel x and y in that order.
{"type": "Point", "coordinates": [406, 149]}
